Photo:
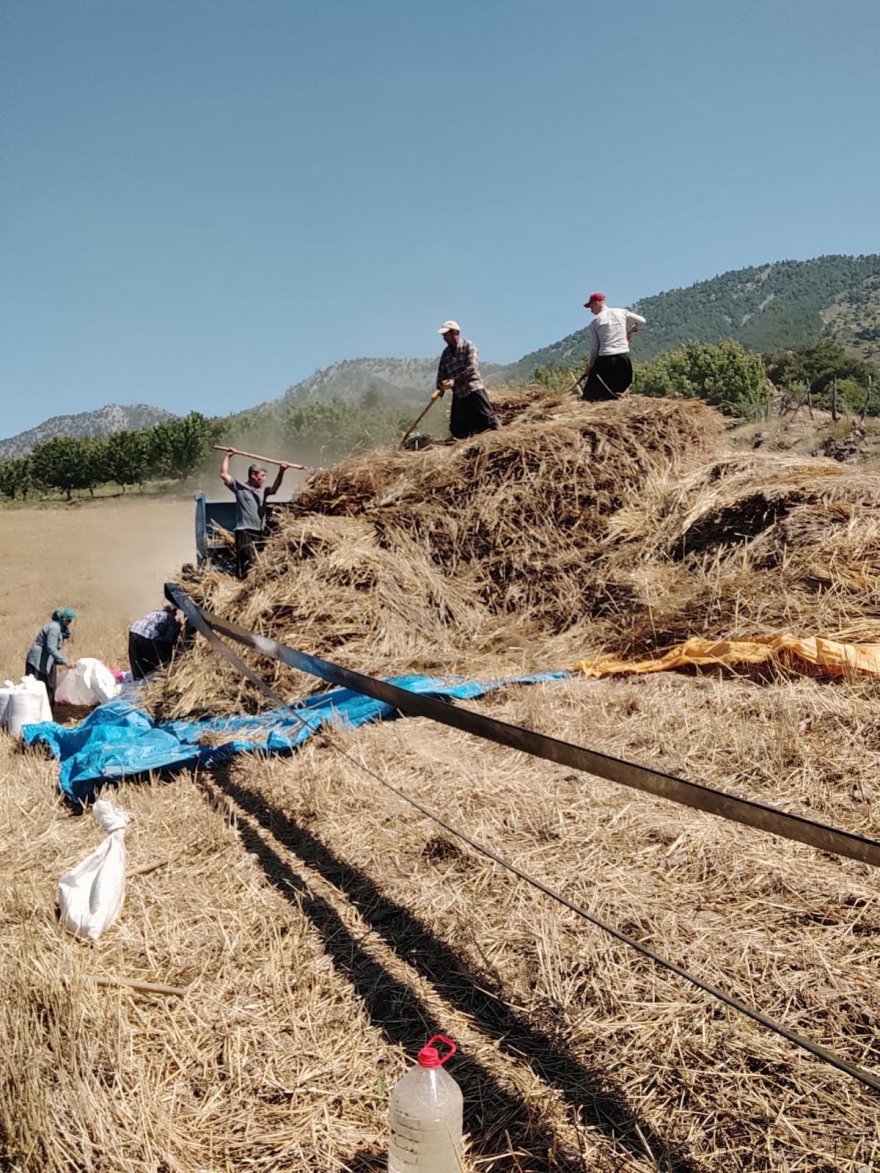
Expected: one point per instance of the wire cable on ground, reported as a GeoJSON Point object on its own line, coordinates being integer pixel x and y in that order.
{"type": "Point", "coordinates": [553, 749]}
{"type": "Point", "coordinates": [200, 622]}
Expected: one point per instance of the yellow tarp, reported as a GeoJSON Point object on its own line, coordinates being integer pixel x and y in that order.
{"type": "Point", "coordinates": [829, 655]}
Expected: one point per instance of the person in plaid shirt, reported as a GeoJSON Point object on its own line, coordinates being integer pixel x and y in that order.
{"type": "Point", "coordinates": [459, 370]}
{"type": "Point", "coordinates": [152, 640]}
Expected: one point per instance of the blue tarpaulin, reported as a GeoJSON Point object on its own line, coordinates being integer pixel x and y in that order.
{"type": "Point", "coordinates": [119, 740]}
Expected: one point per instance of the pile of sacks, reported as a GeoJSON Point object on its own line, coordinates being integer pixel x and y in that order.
{"type": "Point", "coordinates": [23, 704]}
{"type": "Point", "coordinates": [27, 703]}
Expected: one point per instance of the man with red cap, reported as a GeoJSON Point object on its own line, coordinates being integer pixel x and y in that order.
{"type": "Point", "coordinates": [610, 373]}
{"type": "Point", "coordinates": [459, 370]}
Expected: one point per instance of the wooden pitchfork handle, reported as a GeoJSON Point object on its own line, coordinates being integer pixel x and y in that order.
{"type": "Point", "coordinates": [571, 390]}
{"type": "Point", "coordinates": [420, 417]}
{"type": "Point", "coordinates": [257, 456]}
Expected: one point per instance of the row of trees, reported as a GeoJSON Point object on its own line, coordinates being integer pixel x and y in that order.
{"type": "Point", "coordinates": [737, 381]}
{"type": "Point", "coordinates": [172, 450]}
{"type": "Point", "coordinates": [314, 432]}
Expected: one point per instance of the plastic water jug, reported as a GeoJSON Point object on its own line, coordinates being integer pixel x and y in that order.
{"type": "Point", "coordinates": [25, 707]}
{"type": "Point", "coordinates": [426, 1116]}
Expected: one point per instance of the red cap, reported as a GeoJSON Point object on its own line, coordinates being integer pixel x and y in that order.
{"type": "Point", "coordinates": [429, 1056]}
{"type": "Point", "coordinates": [594, 297]}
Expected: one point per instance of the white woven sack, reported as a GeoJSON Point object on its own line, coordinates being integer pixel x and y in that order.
{"type": "Point", "coordinates": [90, 895]}
{"type": "Point", "coordinates": [89, 683]}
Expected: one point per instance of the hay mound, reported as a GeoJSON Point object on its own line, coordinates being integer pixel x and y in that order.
{"type": "Point", "coordinates": [455, 558]}
{"type": "Point", "coordinates": [575, 530]}
{"type": "Point", "coordinates": [750, 544]}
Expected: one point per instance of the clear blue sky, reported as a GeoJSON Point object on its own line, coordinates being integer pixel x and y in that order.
{"type": "Point", "coordinates": [203, 201]}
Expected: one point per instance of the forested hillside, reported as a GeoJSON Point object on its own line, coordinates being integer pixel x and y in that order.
{"type": "Point", "coordinates": [768, 308]}
{"type": "Point", "coordinates": [103, 422]}
{"type": "Point", "coordinates": [699, 342]}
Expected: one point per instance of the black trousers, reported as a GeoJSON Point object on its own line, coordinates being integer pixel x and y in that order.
{"type": "Point", "coordinates": [247, 546]}
{"type": "Point", "coordinates": [612, 374]}
{"type": "Point", "coordinates": [146, 655]}
{"type": "Point", "coordinates": [472, 414]}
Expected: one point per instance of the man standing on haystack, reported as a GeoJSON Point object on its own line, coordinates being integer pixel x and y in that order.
{"type": "Point", "coordinates": [459, 369]}
{"type": "Point", "coordinates": [250, 509]}
{"type": "Point", "coordinates": [610, 373]}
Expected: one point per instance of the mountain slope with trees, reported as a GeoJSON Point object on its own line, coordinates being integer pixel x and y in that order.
{"type": "Point", "coordinates": [765, 308]}
{"type": "Point", "coordinates": [802, 306]}
{"type": "Point", "coordinates": [103, 422]}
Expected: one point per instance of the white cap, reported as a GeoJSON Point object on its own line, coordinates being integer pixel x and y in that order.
{"type": "Point", "coordinates": [449, 326]}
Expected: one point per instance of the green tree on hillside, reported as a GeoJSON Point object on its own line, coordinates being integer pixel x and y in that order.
{"type": "Point", "coordinates": [333, 428]}
{"type": "Point", "coordinates": [177, 448]}
{"type": "Point", "coordinates": [16, 477]}
{"type": "Point", "coordinates": [62, 463]}
{"type": "Point", "coordinates": [817, 367]}
{"type": "Point", "coordinates": [725, 376]}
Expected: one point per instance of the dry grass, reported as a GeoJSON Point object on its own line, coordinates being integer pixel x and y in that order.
{"type": "Point", "coordinates": [322, 927]}
{"type": "Point", "coordinates": [455, 559]}
{"type": "Point", "coordinates": [749, 544]}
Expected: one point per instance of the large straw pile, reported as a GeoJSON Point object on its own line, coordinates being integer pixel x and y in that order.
{"type": "Point", "coordinates": [458, 558]}
{"type": "Point", "coordinates": [749, 544]}
{"type": "Point", "coordinates": [319, 927]}
{"type": "Point", "coordinates": [574, 530]}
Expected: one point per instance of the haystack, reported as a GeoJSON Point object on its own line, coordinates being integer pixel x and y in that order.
{"type": "Point", "coordinates": [575, 530]}
{"type": "Point", "coordinates": [460, 558]}
{"type": "Point", "coordinates": [749, 544]}
{"type": "Point", "coordinates": [322, 927]}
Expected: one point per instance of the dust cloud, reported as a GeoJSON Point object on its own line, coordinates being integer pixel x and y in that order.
{"type": "Point", "coordinates": [106, 559]}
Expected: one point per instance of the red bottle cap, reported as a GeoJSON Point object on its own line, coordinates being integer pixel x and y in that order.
{"type": "Point", "coordinates": [429, 1056]}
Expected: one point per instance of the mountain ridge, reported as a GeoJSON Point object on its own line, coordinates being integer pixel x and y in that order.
{"type": "Point", "coordinates": [103, 421]}
{"type": "Point", "coordinates": [777, 305]}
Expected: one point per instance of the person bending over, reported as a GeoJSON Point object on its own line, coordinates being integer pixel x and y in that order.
{"type": "Point", "coordinates": [152, 641]}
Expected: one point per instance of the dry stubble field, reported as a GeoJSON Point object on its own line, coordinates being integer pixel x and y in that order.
{"type": "Point", "coordinates": [320, 927]}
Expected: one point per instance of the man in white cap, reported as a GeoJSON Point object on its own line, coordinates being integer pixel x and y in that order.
{"type": "Point", "coordinates": [610, 373]}
{"type": "Point", "coordinates": [459, 370]}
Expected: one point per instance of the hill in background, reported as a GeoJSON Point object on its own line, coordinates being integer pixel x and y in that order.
{"type": "Point", "coordinates": [770, 307]}
{"type": "Point", "coordinates": [103, 422]}
{"type": "Point", "coordinates": [766, 308]}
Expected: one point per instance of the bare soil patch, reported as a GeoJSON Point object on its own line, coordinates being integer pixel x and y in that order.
{"type": "Point", "coordinates": [107, 559]}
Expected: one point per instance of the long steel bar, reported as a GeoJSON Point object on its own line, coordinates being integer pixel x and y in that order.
{"type": "Point", "coordinates": [867, 1078]}
{"type": "Point", "coordinates": [691, 794]}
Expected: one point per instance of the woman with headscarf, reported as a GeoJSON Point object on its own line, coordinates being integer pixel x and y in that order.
{"type": "Point", "coordinates": [46, 654]}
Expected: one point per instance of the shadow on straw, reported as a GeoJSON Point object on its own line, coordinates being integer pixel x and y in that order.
{"type": "Point", "coordinates": [492, 1114]}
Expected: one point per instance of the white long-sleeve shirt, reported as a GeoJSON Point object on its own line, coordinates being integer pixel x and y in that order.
{"type": "Point", "coordinates": [607, 333]}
